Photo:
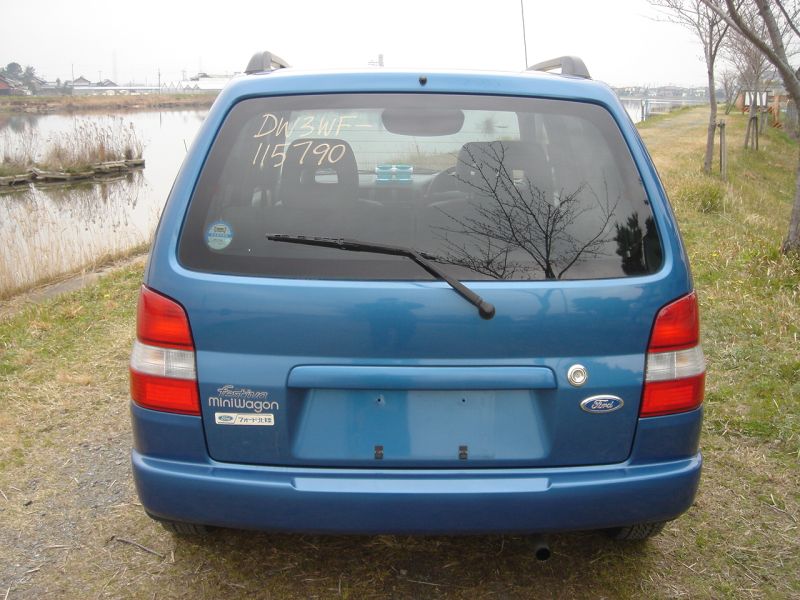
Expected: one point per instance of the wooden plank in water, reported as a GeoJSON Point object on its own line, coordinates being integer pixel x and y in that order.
{"type": "Point", "coordinates": [16, 179]}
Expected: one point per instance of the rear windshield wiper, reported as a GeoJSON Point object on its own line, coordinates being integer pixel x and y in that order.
{"type": "Point", "coordinates": [485, 309]}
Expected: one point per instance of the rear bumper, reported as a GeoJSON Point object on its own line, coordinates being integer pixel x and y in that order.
{"type": "Point", "coordinates": [189, 486]}
{"type": "Point", "coordinates": [315, 500]}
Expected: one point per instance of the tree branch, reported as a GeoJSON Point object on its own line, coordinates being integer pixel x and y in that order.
{"type": "Point", "coordinates": [789, 19]}
{"type": "Point", "coordinates": [735, 20]}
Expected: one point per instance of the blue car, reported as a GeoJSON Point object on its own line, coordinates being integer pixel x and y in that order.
{"type": "Point", "coordinates": [417, 302]}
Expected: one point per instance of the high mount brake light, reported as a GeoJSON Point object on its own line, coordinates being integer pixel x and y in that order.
{"type": "Point", "coordinates": [162, 362]}
{"type": "Point", "coordinates": [675, 373]}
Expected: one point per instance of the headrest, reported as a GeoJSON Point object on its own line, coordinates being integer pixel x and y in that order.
{"type": "Point", "coordinates": [319, 166]}
{"type": "Point", "coordinates": [481, 163]}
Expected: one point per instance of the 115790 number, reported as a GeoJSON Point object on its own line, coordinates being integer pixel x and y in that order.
{"type": "Point", "coordinates": [319, 152]}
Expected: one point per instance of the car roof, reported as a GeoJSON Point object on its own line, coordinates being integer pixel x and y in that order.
{"type": "Point", "coordinates": [525, 83]}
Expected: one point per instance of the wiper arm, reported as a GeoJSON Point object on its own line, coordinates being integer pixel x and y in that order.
{"type": "Point", "coordinates": [485, 309]}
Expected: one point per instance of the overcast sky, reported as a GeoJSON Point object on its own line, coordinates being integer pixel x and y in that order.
{"type": "Point", "coordinates": [619, 40]}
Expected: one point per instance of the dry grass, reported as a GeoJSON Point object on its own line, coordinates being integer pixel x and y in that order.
{"type": "Point", "coordinates": [91, 142]}
{"type": "Point", "coordinates": [70, 229]}
{"type": "Point", "coordinates": [88, 142]}
{"type": "Point", "coordinates": [50, 104]}
{"type": "Point", "coordinates": [68, 511]}
{"type": "Point", "coordinates": [18, 150]}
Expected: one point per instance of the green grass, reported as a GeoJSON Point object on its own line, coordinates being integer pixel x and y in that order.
{"type": "Point", "coordinates": [67, 496]}
{"type": "Point", "coordinates": [749, 291]}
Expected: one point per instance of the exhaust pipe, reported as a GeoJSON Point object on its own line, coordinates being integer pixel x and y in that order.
{"type": "Point", "coordinates": [541, 549]}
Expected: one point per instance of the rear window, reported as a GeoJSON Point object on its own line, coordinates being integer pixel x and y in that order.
{"type": "Point", "coordinates": [489, 187]}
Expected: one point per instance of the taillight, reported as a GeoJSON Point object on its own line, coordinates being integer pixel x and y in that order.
{"type": "Point", "coordinates": [162, 362]}
{"type": "Point", "coordinates": [676, 369]}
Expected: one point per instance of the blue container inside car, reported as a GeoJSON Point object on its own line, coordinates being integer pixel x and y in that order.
{"type": "Point", "coordinates": [394, 173]}
{"type": "Point", "coordinates": [507, 340]}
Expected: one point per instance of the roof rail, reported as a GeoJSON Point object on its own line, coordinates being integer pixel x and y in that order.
{"type": "Point", "coordinates": [569, 65]}
{"type": "Point", "coordinates": [264, 62]}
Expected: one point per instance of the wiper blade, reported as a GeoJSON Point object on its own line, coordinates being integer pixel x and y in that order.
{"type": "Point", "coordinates": [485, 309]}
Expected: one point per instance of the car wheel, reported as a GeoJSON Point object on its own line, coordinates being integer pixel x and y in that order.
{"type": "Point", "coordinates": [638, 532]}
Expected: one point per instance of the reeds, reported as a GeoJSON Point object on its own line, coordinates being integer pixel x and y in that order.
{"type": "Point", "coordinates": [88, 143]}
{"type": "Point", "coordinates": [18, 150]}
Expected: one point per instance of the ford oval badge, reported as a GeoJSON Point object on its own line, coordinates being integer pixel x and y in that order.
{"type": "Point", "coordinates": [602, 404]}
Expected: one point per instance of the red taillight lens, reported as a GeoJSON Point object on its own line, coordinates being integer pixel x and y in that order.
{"type": "Point", "coordinates": [162, 393]}
{"type": "Point", "coordinates": [667, 397]}
{"type": "Point", "coordinates": [161, 321]}
{"type": "Point", "coordinates": [677, 326]}
{"type": "Point", "coordinates": [163, 361]}
{"type": "Point", "coordinates": [675, 372]}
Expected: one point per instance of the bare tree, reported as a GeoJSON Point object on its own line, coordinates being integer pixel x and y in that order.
{"type": "Point", "coordinates": [729, 79]}
{"type": "Point", "coordinates": [752, 65]}
{"type": "Point", "coordinates": [777, 16]}
{"type": "Point", "coordinates": [517, 214]}
{"type": "Point", "coordinates": [710, 28]}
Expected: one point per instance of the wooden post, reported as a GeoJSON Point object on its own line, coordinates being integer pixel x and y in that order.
{"type": "Point", "coordinates": [755, 132]}
{"type": "Point", "coordinates": [751, 136]}
{"type": "Point", "coordinates": [723, 151]}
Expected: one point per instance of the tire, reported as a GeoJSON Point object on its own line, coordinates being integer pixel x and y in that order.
{"type": "Point", "coordinates": [181, 528]}
{"type": "Point", "coordinates": [637, 532]}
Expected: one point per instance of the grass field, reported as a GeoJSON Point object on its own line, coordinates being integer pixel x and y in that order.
{"type": "Point", "coordinates": [71, 526]}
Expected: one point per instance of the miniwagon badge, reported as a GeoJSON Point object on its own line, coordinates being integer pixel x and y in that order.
{"type": "Point", "coordinates": [602, 404]}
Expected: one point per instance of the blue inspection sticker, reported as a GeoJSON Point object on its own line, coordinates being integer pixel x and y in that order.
{"type": "Point", "coordinates": [219, 235]}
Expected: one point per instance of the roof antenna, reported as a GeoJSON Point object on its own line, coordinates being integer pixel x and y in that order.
{"type": "Point", "coordinates": [524, 37]}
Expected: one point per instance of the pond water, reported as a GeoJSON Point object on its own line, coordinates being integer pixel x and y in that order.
{"type": "Point", "coordinates": [47, 231]}
{"type": "Point", "coordinates": [640, 109]}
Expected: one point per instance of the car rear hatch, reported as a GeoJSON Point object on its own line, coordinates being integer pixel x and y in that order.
{"type": "Point", "coordinates": [408, 375]}
{"type": "Point", "coordinates": [313, 356]}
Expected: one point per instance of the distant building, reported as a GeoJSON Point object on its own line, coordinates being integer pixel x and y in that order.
{"type": "Point", "coordinates": [5, 86]}
{"type": "Point", "coordinates": [81, 82]}
{"type": "Point", "coordinates": [11, 87]}
{"type": "Point", "coordinates": [666, 92]}
{"type": "Point", "coordinates": [50, 88]}
{"type": "Point", "coordinates": [203, 82]}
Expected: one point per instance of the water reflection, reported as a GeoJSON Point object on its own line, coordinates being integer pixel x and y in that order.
{"type": "Point", "coordinates": [51, 230]}
{"type": "Point", "coordinates": [17, 123]}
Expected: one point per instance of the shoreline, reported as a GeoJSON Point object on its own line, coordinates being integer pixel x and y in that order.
{"type": "Point", "coordinates": [17, 300]}
{"type": "Point", "coordinates": [79, 104]}
{"type": "Point", "coordinates": [36, 174]}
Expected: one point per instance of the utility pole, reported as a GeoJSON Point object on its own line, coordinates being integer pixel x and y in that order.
{"type": "Point", "coordinates": [524, 37]}
{"type": "Point", "coordinates": [159, 80]}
